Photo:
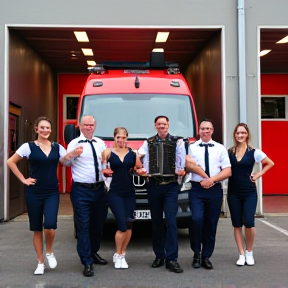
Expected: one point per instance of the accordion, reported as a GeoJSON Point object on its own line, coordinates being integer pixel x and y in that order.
{"type": "Point", "coordinates": [162, 156]}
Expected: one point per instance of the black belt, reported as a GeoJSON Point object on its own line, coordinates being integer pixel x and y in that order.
{"type": "Point", "coordinates": [162, 180]}
{"type": "Point", "coordinates": [90, 185]}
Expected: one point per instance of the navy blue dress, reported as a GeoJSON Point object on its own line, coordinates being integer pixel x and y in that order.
{"type": "Point", "coordinates": [239, 182]}
{"type": "Point", "coordinates": [44, 168]}
{"type": "Point", "coordinates": [122, 179]}
{"type": "Point", "coordinates": [242, 194]}
{"type": "Point", "coordinates": [122, 193]}
{"type": "Point", "coordinates": [43, 197]}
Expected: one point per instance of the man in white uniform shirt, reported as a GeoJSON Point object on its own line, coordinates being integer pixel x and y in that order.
{"type": "Point", "coordinates": [208, 164]}
{"type": "Point", "coordinates": [88, 194]}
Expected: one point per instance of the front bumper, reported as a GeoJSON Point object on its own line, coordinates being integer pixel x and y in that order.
{"type": "Point", "coordinates": [142, 211]}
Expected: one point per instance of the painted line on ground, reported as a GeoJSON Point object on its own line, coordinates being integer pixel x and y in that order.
{"type": "Point", "coordinates": [285, 232]}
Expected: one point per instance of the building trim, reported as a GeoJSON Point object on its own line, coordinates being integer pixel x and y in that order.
{"type": "Point", "coordinates": [223, 83]}
{"type": "Point", "coordinates": [6, 119]}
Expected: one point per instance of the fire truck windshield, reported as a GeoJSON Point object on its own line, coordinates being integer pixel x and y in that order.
{"type": "Point", "coordinates": [137, 112]}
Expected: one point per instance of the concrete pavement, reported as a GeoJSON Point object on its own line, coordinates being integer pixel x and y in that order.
{"type": "Point", "coordinates": [18, 259]}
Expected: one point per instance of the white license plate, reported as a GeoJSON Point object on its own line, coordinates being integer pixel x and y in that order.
{"type": "Point", "coordinates": [142, 214]}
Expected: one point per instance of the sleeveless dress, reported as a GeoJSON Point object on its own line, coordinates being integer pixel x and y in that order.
{"type": "Point", "coordinates": [239, 182]}
{"type": "Point", "coordinates": [122, 179]}
{"type": "Point", "coordinates": [121, 194]}
{"type": "Point", "coordinates": [242, 195]}
{"type": "Point", "coordinates": [43, 197]}
{"type": "Point", "coordinates": [43, 168]}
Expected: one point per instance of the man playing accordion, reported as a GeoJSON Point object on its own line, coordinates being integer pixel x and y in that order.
{"type": "Point", "coordinates": [164, 160]}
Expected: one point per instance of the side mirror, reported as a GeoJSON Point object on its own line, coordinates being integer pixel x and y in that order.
{"type": "Point", "coordinates": [70, 133]}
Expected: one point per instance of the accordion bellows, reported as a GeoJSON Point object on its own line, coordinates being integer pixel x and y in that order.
{"type": "Point", "coordinates": [162, 157]}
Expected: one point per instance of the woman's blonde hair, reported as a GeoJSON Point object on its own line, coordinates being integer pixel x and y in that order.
{"type": "Point", "coordinates": [117, 131]}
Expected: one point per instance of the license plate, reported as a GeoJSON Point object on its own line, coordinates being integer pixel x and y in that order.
{"type": "Point", "coordinates": [142, 214]}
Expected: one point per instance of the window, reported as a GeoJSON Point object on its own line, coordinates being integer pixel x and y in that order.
{"type": "Point", "coordinates": [137, 112]}
{"type": "Point", "coordinates": [70, 103]}
{"type": "Point", "coordinates": [274, 107]}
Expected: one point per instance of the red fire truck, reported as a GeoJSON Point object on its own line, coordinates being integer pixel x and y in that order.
{"type": "Point", "coordinates": [132, 95]}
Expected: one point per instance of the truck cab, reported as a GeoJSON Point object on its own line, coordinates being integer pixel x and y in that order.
{"type": "Point", "coordinates": [132, 95]}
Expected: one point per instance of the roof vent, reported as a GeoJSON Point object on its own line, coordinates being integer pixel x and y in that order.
{"type": "Point", "coordinates": [157, 60]}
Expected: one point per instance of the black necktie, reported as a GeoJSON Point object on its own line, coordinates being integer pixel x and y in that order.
{"type": "Point", "coordinates": [94, 156]}
{"type": "Point", "coordinates": [207, 160]}
{"type": "Point", "coordinates": [207, 171]}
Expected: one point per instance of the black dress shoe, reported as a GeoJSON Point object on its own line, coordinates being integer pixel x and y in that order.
{"type": "Point", "coordinates": [88, 270]}
{"type": "Point", "coordinates": [99, 260]}
{"type": "Point", "coordinates": [196, 261]}
{"type": "Point", "coordinates": [206, 263]}
{"type": "Point", "coordinates": [173, 266]}
{"type": "Point", "coordinates": [157, 263]}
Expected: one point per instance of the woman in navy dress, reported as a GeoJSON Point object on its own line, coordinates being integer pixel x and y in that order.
{"type": "Point", "coordinates": [242, 195]}
{"type": "Point", "coordinates": [122, 199]}
{"type": "Point", "coordinates": [41, 188]}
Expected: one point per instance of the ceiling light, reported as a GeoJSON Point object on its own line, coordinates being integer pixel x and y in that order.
{"type": "Point", "coordinates": [162, 36]}
{"type": "Point", "coordinates": [284, 40]}
{"type": "Point", "coordinates": [81, 36]}
{"type": "Point", "coordinates": [158, 50]}
{"type": "Point", "coordinates": [264, 52]}
{"type": "Point", "coordinates": [87, 51]}
{"type": "Point", "coordinates": [73, 55]}
{"type": "Point", "coordinates": [91, 63]}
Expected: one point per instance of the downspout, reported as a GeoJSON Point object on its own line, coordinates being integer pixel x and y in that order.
{"type": "Point", "coordinates": [242, 61]}
{"type": "Point", "coordinates": [242, 82]}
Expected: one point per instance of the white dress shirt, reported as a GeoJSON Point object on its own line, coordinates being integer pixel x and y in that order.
{"type": "Point", "coordinates": [83, 169]}
{"type": "Point", "coordinates": [218, 159]}
{"type": "Point", "coordinates": [179, 160]}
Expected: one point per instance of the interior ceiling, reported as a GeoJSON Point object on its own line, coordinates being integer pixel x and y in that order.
{"type": "Point", "coordinates": [275, 61]}
{"type": "Point", "coordinates": [56, 46]}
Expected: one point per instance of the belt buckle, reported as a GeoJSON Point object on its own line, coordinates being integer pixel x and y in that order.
{"type": "Point", "coordinates": [165, 182]}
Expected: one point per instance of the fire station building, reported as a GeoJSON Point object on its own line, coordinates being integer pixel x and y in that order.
{"type": "Point", "coordinates": [220, 47]}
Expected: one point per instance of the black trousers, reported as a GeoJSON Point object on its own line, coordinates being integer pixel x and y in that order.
{"type": "Point", "coordinates": [205, 206]}
{"type": "Point", "coordinates": [90, 212]}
